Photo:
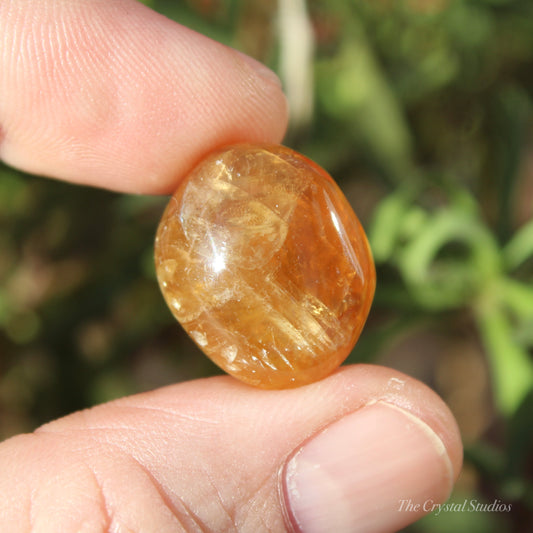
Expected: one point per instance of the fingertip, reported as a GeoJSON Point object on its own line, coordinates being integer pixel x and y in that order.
{"type": "Point", "coordinates": [115, 95]}
{"type": "Point", "coordinates": [417, 398]}
{"type": "Point", "coordinates": [378, 468]}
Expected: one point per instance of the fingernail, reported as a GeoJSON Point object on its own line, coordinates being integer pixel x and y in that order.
{"type": "Point", "coordinates": [260, 69]}
{"type": "Point", "coordinates": [377, 469]}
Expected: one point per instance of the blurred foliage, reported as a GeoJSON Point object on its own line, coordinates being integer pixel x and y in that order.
{"type": "Point", "coordinates": [423, 113]}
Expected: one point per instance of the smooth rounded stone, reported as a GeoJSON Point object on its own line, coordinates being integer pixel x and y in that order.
{"type": "Point", "coordinates": [263, 262]}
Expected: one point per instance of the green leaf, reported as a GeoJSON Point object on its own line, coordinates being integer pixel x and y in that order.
{"type": "Point", "coordinates": [511, 366]}
{"type": "Point", "coordinates": [385, 228]}
{"type": "Point", "coordinates": [354, 89]}
{"type": "Point", "coordinates": [440, 284]}
{"type": "Point", "coordinates": [518, 297]}
{"type": "Point", "coordinates": [519, 248]}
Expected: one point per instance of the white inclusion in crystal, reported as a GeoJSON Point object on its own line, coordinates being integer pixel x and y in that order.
{"type": "Point", "coordinates": [199, 337]}
{"type": "Point", "coordinates": [218, 261]}
{"type": "Point", "coordinates": [230, 353]}
{"type": "Point", "coordinates": [286, 361]}
{"type": "Point", "coordinates": [170, 266]}
{"type": "Point", "coordinates": [269, 364]}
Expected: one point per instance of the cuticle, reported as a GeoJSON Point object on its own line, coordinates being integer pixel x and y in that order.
{"type": "Point", "coordinates": [291, 524]}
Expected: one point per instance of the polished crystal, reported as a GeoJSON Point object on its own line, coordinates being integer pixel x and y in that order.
{"type": "Point", "coordinates": [263, 262]}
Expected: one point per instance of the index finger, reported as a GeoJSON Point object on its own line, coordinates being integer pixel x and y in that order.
{"type": "Point", "coordinates": [112, 94]}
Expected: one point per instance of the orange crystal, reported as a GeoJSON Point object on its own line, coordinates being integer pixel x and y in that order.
{"type": "Point", "coordinates": [263, 262]}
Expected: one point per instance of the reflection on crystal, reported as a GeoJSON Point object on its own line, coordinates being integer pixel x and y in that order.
{"type": "Point", "coordinates": [218, 263]}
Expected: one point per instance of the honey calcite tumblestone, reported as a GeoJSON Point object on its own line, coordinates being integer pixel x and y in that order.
{"type": "Point", "coordinates": [263, 262]}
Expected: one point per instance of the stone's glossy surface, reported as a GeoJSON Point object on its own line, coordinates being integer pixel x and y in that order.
{"type": "Point", "coordinates": [263, 262]}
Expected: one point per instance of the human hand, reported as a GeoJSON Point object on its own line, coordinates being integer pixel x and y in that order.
{"type": "Point", "coordinates": [85, 98]}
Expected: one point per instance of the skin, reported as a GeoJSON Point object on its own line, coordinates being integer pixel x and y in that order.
{"type": "Point", "coordinates": [111, 94]}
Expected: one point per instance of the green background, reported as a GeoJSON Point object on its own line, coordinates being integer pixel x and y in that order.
{"type": "Point", "coordinates": [422, 111]}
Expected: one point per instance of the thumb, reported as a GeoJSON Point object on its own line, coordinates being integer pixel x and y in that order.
{"type": "Point", "coordinates": [216, 455]}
